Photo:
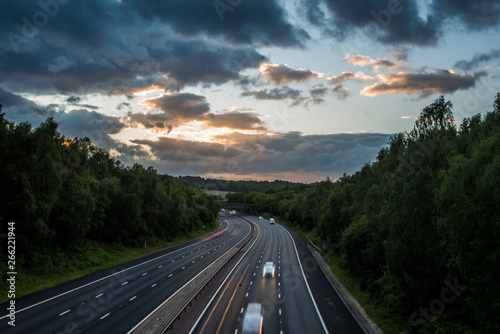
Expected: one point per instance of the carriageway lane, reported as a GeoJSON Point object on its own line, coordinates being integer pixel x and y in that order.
{"type": "Point", "coordinates": [115, 303]}
{"type": "Point", "coordinates": [286, 301]}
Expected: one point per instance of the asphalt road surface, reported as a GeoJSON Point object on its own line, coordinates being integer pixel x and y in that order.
{"type": "Point", "coordinates": [116, 302]}
{"type": "Point", "coordinates": [299, 299]}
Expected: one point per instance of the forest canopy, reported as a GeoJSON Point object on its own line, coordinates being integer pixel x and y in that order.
{"type": "Point", "coordinates": [63, 193]}
{"type": "Point", "coordinates": [420, 225]}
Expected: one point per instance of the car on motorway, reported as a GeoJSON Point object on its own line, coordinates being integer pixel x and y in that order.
{"type": "Point", "coordinates": [269, 269]}
{"type": "Point", "coordinates": [260, 218]}
{"type": "Point", "coordinates": [233, 212]}
{"type": "Point", "coordinates": [271, 221]}
{"type": "Point", "coordinates": [252, 323]}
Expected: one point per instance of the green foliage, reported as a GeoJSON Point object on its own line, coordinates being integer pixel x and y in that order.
{"type": "Point", "coordinates": [425, 212]}
{"type": "Point", "coordinates": [67, 196]}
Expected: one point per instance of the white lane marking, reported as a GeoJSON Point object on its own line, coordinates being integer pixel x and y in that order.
{"type": "Point", "coordinates": [242, 309]}
{"type": "Point", "coordinates": [175, 293]}
{"type": "Point", "coordinates": [104, 316]}
{"type": "Point", "coordinates": [160, 266]}
{"type": "Point", "coordinates": [102, 278]}
{"type": "Point", "coordinates": [172, 261]}
{"type": "Point", "coordinates": [193, 262]}
{"type": "Point", "coordinates": [144, 274]}
{"type": "Point", "coordinates": [170, 275]}
{"type": "Point", "coordinates": [124, 283]}
{"type": "Point", "coordinates": [307, 284]}
{"type": "Point", "coordinates": [99, 295]}
{"type": "Point", "coordinates": [246, 295]}
{"type": "Point", "coordinates": [64, 312]}
{"type": "Point", "coordinates": [280, 311]}
{"type": "Point", "coordinates": [153, 285]}
{"type": "Point", "coordinates": [132, 298]}
{"type": "Point", "coordinates": [183, 268]}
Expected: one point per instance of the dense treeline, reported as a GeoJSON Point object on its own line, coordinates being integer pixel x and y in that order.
{"type": "Point", "coordinates": [420, 225]}
{"type": "Point", "coordinates": [239, 186]}
{"type": "Point", "coordinates": [66, 195]}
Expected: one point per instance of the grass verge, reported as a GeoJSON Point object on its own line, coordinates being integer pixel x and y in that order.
{"type": "Point", "coordinates": [96, 257]}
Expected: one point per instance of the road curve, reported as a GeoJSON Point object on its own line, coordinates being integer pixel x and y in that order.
{"type": "Point", "coordinates": [298, 299]}
{"type": "Point", "coordinates": [114, 302]}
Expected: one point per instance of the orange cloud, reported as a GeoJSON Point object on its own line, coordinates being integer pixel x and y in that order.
{"type": "Point", "coordinates": [283, 74]}
{"type": "Point", "coordinates": [423, 84]}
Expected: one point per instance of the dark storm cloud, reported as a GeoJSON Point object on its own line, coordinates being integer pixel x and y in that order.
{"type": "Point", "coordinates": [479, 58]}
{"type": "Point", "coordinates": [399, 21]}
{"type": "Point", "coordinates": [242, 154]}
{"type": "Point", "coordinates": [390, 22]}
{"type": "Point", "coordinates": [247, 22]}
{"type": "Point", "coordinates": [475, 15]}
{"type": "Point", "coordinates": [81, 47]}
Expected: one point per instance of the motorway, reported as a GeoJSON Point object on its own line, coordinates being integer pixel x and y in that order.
{"type": "Point", "coordinates": [290, 304]}
{"type": "Point", "coordinates": [117, 302]}
{"type": "Point", "coordinates": [299, 299]}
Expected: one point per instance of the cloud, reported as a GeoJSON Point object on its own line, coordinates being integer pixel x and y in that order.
{"type": "Point", "coordinates": [477, 60]}
{"type": "Point", "coordinates": [180, 108]}
{"type": "Point", "coordinates": [399, 54]}
{"type": "Point", "coordinates": [423, 84]}
{"type": "Point", "coordinates": [387, 22]}
{"type": "Point", "coordinates": [281, 93]}
{"type": "Point", "coordinates": [376, 64]}
{"type": "Point", "coordinates": [236, 154]}
{"type": "Point", "coordinates": [358, 76]}
{"type": "Point", "coordinates": [476, 15]}
{"type": "Point", "coordinates": [341, 91]}
{"type": "Point", "coordinates": [244, 22]}
{"type": "Point", "coordinates": [234, 120]}
{"type": "Point", "coordinates": [284, 74]}
{"type": "Point", "coordinates": [82, 48]}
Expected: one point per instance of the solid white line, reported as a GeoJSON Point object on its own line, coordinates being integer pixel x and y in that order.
{"type": "Point", "coordinates": [222, 284]}
{"type": "Point", "coordinates": [189, 282]}
{"type": "Point", "coordinates": [307, 284]}
{"type": "Point", "coordinates": [132, 298]}
{"type": "Point", "coordinates": [103, 278]}
{"type": "Point", "coordinates": [104, 316]}
{"type": "Point", "coordinates": [64, 312]}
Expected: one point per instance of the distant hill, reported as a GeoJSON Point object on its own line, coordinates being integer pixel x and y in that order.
{"type": "Point", "coordinates": [237, 186]}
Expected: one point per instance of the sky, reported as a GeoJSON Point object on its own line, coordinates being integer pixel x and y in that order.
{"type": "Point", "coordinates": [237, 89]}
